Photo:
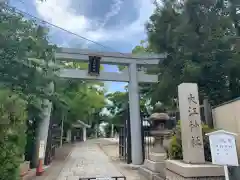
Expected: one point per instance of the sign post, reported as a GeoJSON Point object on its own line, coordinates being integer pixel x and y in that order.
{"type": "Point", "coordinates": [223, 149]}
{"type": "Point", "coordinates": [41, 149]}
{"type": "Point", "coordinates": [226, 172]}
{"type": "Point", "coordinates": [41, 155]}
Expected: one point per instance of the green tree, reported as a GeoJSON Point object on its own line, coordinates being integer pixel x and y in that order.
{"type": "Point", "coordinates": [118, 106]}
{"type": "Point", "coordinates": [199, 39]}
{"type": "Point", "coordinates": [84, 98]}
{"type": "Point", "coordinates": [26, 66]}
{"type": "Point", "coordinates": [143, 48]}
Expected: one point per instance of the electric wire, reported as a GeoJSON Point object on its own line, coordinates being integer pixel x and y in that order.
{"type": "Point", "coordinates": [58, 27]}
{"type": "Point", "coordinates": [21, 12]}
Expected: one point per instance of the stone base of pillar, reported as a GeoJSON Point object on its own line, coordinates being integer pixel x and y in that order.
{"type": "Point", "coordinates": [154, 167]}
{"type": "Point", "coordinates": [179, 170]}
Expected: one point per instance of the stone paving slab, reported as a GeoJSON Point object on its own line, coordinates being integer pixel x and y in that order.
{"type": "Point", "coordinates": [111, 150]}
{"type": "Point", "coordinates": [87, 160]}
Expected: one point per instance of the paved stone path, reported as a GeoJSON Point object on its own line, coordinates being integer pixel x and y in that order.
{"type": "Point", "coordinates": [87, 160]}
{"type": "Point", "coordinates": [111, 149]}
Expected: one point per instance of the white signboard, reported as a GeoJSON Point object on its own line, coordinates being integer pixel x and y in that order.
{"type": "Point", "coordinates": [223, 148]}
{"type": "Point", "coordinates": [41, 149]}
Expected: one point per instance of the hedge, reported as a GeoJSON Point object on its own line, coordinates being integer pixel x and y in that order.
{"type": "Point", "coordinates": [175, 148]}
{"type": "Point", "coordinates": [12, 133]}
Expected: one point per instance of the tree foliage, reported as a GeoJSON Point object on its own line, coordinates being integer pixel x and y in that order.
{"type": "Point", "coordinates": [118, 106]}
{"type": "Point", "coordinates": [201, 40]}
{"type": "Point", "coordinates": [25, 55]}
{"type": "Point", "coordinates": [12, 132]}
{"type": "Point", "coordinates": [27, 67]}
{"type": "Point", "coordinates": [85, 99]}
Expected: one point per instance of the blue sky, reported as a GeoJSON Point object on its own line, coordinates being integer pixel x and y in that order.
{"type": "Point", "coordinates": [118, 24]}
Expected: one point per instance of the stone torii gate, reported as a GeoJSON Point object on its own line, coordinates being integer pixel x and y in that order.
{"type": "Point", "coordinates": [133, 76]}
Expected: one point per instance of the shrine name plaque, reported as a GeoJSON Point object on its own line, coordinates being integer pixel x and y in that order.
{"type": "Point", "coordinates": [94, 65]}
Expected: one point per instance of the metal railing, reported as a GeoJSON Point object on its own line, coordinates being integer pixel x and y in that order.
{"type": "Point", "coordinates": [147, 143]}
{"type": "Point", "coordinates": [105, 178]}
{"type": "Point", "coordinates": [122, 144]}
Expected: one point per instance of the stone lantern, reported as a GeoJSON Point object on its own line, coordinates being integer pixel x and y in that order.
{"type": "Point", "coordinates": [161, 130]}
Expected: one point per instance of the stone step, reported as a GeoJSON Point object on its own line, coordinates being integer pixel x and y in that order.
{"type": "Point", "coordinates": [146, 174]}
{"type": "Point", "coordinates": [158, 167]}
{"type": "Point", "coordinates": [157, 157]}
{"type": "Point", "coordinates": [157, 177]}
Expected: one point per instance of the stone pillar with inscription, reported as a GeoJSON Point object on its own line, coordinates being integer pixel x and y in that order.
{"type": "Point", "coordinates": [193, 165]}
{"type": "Point", "coordinates": [192, 139]}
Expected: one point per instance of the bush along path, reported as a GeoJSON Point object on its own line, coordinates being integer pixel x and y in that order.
{"type": "Point", "coordinates": [12, 129]}
{"type": "Point", "coordinates": [175, 147]}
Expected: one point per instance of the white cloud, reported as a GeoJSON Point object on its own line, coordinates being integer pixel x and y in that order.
{"type": "Point", "coordinates": [116, 7]}
{"type": "Point", "coordinates": [61, 14]}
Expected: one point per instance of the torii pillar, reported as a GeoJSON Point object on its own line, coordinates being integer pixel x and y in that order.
{"type": "Point", "coordinates": [135, 119]}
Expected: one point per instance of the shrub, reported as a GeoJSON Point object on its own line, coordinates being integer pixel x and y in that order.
{"type": "Point", "coordinates": [175, 147]}
{"type": "Point", "coordinates": [12, 133]}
